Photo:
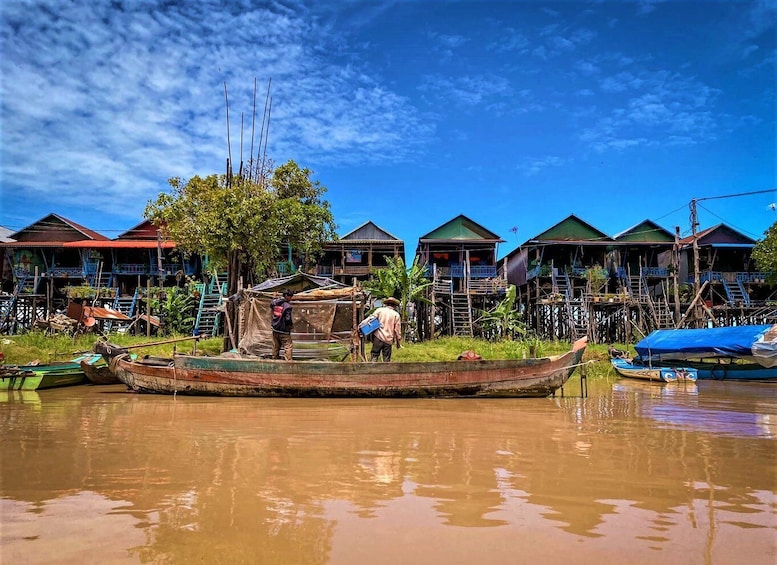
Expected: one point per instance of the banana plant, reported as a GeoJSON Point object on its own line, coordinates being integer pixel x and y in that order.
{"type": "Point", "coordinates": [408, 285]}
{"type": "Point", "coordinates": [504, 320]}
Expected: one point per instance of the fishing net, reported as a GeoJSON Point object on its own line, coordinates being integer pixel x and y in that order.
{"type": "Point", "coordinates": [323, 323]}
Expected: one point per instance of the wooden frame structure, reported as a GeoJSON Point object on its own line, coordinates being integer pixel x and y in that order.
{"type": "Point", "coordinates": [649, 281]}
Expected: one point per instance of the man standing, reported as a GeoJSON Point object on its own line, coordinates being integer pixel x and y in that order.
{"type": "Point", "coordinates": [389, 332]}
{"type": "Point", "coordinates": [281, 326]}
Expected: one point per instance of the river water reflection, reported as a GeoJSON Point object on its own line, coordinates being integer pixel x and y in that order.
{"type": "Point", "coordinates": [634, 473]}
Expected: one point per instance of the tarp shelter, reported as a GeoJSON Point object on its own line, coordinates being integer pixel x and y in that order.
{"type": "Point", "coordinates": [757, 344]}
{"type": "Point", "coordinates": [325, 314]}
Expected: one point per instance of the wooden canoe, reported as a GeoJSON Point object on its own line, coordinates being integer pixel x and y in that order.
{"type": "Point", "coordinates": [233, 375]}
{"type": "Point", "coordinates": [627, 368]}
{"type": "Point", "coordinates": [38, 377]}
{"type": "Point", "coordinates": [98, 372]}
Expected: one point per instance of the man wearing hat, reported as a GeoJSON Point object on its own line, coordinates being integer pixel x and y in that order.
{"type": "Point", "coordinates": [281, 321]}
{"type": "Point", "coordinates": [389, 332]}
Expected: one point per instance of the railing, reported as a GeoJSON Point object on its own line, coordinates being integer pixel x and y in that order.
{"type": "Point", "coordinates": [487, 286]}
{"type": "Point", "coordinates": [66, 272]}
{"type": "Point", "coordinates": [710, 276]}
{"type": "Point", "coordinates": [130, 269]}
{"type": "Point", "coordinates": [457, 271]}
{"type": "Point", "coordinates": [757, 277]}
{"type": "Point", "coordinates": [655, 272]}
{"type": "Point", "coordinates": [482, 271]}
{"type": "Point", "coordinates": [324, 270]}
{"type": "Point", "coordinates": [284, 268]}
{"type": "Point", "coordinates": [360, 270]}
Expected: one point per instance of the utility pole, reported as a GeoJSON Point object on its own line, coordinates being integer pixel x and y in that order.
{"type": "Point", "coordinates": [694, 227]}
{"type": "Point", "coordinates": [696, 276]}
{"type": "Point", "coordinates": [676, 275]}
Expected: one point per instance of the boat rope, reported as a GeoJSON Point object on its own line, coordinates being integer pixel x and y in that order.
{"type": "Point", "coordinates": [175, 378]}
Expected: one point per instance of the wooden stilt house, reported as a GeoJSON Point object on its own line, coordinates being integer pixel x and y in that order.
{"type": "Point", "coordinates": [724, 263]}
{"type": "Point", "coordinates": [559, 273]}
{"type": "Point", "coordinates": [460, 256]}
{"type": "Point", "coordinates": [41, 266]}
{"type": "Point", "coordinates": [356, 255]}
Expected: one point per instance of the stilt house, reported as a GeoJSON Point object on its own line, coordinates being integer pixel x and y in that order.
{"type": "Point", "coordinates": [358, 253]}
{"type": "Point", "coordinates": [460, 256]}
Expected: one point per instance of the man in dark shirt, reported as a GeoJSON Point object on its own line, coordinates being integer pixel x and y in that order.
{"type": "Point", "coordinates": [280, 309]}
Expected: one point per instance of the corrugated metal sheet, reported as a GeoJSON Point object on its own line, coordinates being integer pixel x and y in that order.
{"type": "Point", "coordinates": [572, 229]}
{"type": "Point", "coordinates": [120, 244]}
{"type": "Point", "coordinates": [461, 228]}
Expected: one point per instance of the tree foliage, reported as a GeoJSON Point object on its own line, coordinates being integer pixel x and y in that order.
{"type": "Point", "coordinates": [241, 225]}
{"type": "Point", "coordinates": [765, 253]}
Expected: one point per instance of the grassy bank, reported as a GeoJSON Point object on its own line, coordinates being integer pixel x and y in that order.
{"type": "Point", "coordinates": [22, 349]}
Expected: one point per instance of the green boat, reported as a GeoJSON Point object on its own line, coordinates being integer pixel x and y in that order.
{"type": "Point", "coordinates": [37, 377]}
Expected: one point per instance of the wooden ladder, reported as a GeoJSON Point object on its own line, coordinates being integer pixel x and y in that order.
{"type": "Point", "coordinates": [461, 313]}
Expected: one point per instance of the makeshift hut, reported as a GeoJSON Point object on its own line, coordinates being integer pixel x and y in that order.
{"type": "Point", "coordinates": [325, 314]}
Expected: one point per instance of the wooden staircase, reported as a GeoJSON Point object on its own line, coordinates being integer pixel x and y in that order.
{"type": "Point", "coordinates": [561, 285]}
{"type": "Point", "coordinates": [126, 305]}
{"type": "Point", "coordinates": [736, 293]}
{"type": "Point", "coordinates": [578, 317]}
{"type": "Point", "coordinates": [461, 314]}
{"type": "Point", "coordinates": [663, 316]}
{"type": "Point", "coordinates": [209, 309]}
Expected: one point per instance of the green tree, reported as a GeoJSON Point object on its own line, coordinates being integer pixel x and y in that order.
{"type": "Point", "coordinates": [242, 224]}
{"type": "Point", "coordinates": [765, 253]}
{"type": "Point", "coordinates": [407, 284]}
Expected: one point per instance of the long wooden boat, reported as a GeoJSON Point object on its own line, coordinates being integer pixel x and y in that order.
{"type": "Point", "coordinates": [38, 377]}
{"type": "Point", "coordinates": [232, 375]}
{"type": "Point", "coordinates": [98, 370]}
{"type": "Point", "coordinates": [627, 368]}
{"type": "Point", "coordinates": [746, 353]}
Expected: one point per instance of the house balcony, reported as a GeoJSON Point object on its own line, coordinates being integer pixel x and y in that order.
{"type": "Point", "coordinates": [66, 272]}
{"type": "Point", "coordinates": [131, 269]}
{"type": "Point", "coordinates": [657, 272]}
{"type": "Point", "coordinates": [757, 277]}
{"type": "Point", "coordinates": [457, 271]}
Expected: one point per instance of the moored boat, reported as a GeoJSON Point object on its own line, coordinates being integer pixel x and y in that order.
{"type": "Point", "coordinates": [747, 353]}
{"type": "Point", "coordinates": [239, 375]}
{"type": "Point", "coordinates": [38, 377]}
{"type": "Point", "coordinates": [98, 372]}
{"type": "Point", "coordinates": [627, 368]}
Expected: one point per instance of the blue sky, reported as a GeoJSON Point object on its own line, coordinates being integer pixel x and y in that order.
{"type": "Point", "coordinates": [513, 113]}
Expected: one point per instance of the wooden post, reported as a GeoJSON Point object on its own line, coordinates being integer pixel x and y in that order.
{"type": "Point", "coordinates": [696, 276]}
{"type": "Point", "coordinates": [676, 275]}
{"type": "Point", "coordinates": [148, 307]}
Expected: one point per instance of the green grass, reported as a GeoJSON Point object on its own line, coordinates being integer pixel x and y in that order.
{"type": "Point", "coordinates": [25, 348]}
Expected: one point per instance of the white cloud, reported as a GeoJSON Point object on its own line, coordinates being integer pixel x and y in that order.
{"type": "Point", "coordinates": [119, 97]}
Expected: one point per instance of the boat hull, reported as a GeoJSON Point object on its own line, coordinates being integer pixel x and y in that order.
{"type": "Point", "coordinates": [99, 373]}
{"type": "Point", "coordinates": [626, 368]}
{"type": "Point", "coordinates": [732, 371]}
{"type": "Point", "coordinates": [42, 379]}
{"type": "Point", "coordinates": [235, 376]}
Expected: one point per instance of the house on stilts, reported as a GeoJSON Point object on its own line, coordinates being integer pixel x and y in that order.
{"type": "Point", "coordinates": [460, 257]}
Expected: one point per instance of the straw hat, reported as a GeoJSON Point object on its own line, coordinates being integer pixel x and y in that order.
{"type": "Point", "coordinates": [391, 301]}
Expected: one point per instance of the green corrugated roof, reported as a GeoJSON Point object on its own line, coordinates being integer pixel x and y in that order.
{"type": "Point", "coordinates": [462, 228]}
{"type": "Point", "coordinates": [646, 231]}
{"type": "Point", "coordinates": [573, 228]}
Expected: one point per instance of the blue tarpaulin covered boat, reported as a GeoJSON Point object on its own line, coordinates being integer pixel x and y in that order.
{"type": "Point", "coordinates": [737, 352]}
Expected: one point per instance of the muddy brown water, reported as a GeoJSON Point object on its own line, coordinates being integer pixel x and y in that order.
{"type": "Point", "coordinates": [633, 473]}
